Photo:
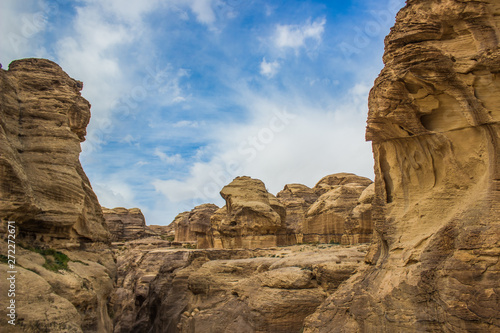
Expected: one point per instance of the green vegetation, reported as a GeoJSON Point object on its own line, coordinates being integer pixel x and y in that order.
{"type": "Point", "coordinates": [168, 238]}
{"type": "Point", "coordinates": [54, 260]}
{"type": "Point", "coordinates": [4, 259]}
{"type": "Point", "coordinates": [333, 242]}
{"type": "Point", "coordinates": [189, 246]}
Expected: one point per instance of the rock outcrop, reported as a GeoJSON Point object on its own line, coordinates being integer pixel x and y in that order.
{"type": "Point", "coordinates": [335, 216]}
{"type": "Point", "coordinates": [126, 224]}
{"type": "Point", "coordinates": [166, 232]}
{"type": "Point", "coordinates": [434, 123]}
{"type": "Point", "coordinates": [63, 268]}
{"type": "Point", "coordinates": [251, 218]}
{"type": "Point", "coordinates": [297, 199]}
{"type": "Point", "coordinates": [198, 291]}
{"type": "Point", "coordinates": [194, 226]}
{"type": "Point", "coordinates": [43, 187]}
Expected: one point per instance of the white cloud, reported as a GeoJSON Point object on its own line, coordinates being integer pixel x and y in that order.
{"type": "Point", "coordinates": [269, 69]}
{"type": "Point", "coordinates": [296, 36]}
{"type": "Point", "coordinates": [186, 123]}
{"type": "Point", "coordinates": [168, 159]}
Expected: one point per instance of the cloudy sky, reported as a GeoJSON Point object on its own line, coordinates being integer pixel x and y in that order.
{"type": "Point", "coordinates": [188, 94]}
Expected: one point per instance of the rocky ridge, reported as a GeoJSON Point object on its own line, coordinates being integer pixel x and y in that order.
{"type": "Point", "coordinates": [434, 124]}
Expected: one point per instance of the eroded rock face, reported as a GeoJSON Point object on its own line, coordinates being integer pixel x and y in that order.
{"type": "Point", "coordinates": [338, 215]}
{"type": "Point", "coordinates": [433, 121]}
{"type": "Point", "coordinates": [252, 217]}
{"type": "Point", "coordinates": [272, 290]}
{"type": "Point", "coordinates": [126, 224]}
{"type": "Point", "coordinates": [194, 226]}
{"type": "Point", "coordinates": [64, 266]}
{"type": "Point", "coordinates": [43, 187]}
{"type": "Point", "coordinates": [297, 199]}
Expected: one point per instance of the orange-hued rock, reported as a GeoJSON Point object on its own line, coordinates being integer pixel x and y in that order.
{"type": "Point", "coordinates": [434, 123]}
{"type": "Point", "coordinates": [251, 218]}
{"type": "Point", "coordinates": [126, 224]}
{"type": "Point", "coordinates": [43, 187]}
{"type": "Point", "coordinates": [338, 215]}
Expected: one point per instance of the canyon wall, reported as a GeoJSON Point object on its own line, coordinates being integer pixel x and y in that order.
{"type": "Point", "coordinates": [64, 268]}
{"type": "Point", "coordinates": [126, 224]}
{"type": "Point", "coordinates": [434, 124]}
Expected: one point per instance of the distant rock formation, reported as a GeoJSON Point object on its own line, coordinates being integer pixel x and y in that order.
{"type": "Point", "coordinates": [194, 226]}
{"type": "Point", "coordinates": [251, 218]}
{"type": "Point", "coordinates": [64, 267]}
{"type": "Point", "coordinates": [166, 232]}
{"type": "Point", "coordinates": [434, 123]}
{"type": "Point", "coordinates": [297, 199]}
{"type": "Point", "coordinates": [126, 224]}
{"type": "Point", "coordinates": [335, 216]}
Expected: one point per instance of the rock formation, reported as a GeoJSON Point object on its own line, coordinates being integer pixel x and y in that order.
{"type": "Point", "coordinates": [166, 232]}
{"type": "Point", "coordinates": [42, 122]}
{"type": "Point", "coordinates": [198, 291]}
{"type": "Point", "coordinates": [297, 199]}
{"type": "Point", "coordinates": [64, 267]}
{"type": "Point", "coordinates": [433, 121]}
{"type": "Point", "coordinates": [194, 226]}
{"type": "Point", "coordinates": [251, 218]}
{"type": "Point", "coordinates": [126, 224]}
{"type": "Point", "coordinates": [335, 216]}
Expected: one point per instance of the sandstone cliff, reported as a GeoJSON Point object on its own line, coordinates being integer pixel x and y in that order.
{"type": "Point", "coordinates": [126, 224]}
{"type": "Point", "coordinates": [64, 267]}
{"type": "Point", "coordinates": [339, 215]}
{"type": "Point", "coordinates": [252, 217]}
{"type": "Point", "coordinates": [42, 122]}
{"type": "Point", "coordinates": [433, 121]}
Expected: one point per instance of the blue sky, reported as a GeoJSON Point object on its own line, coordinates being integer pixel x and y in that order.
{"type": "Point", "coordinates": [188, 94]}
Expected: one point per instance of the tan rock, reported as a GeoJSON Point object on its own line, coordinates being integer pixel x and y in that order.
{"type": "Point", "coordinates": [297, 199]}
{"type": "Point", "coordinates": [251, 218]}
{"type": "Point", "coordinates": [338, 216]}
{"type": "Point", "coordinates": [126, 224]}
{"type": "Point", "coordinates": [433, 121]}
{"type": "Point", "coordinates": [43, 187]}
{"type": "Point", "coordinates": [194, 226]}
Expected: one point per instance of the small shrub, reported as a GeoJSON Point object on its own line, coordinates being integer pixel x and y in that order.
{"type": "Point", "coordinates": [54, 260]}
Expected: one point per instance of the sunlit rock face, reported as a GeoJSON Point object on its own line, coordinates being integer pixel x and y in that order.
{"type": "Point", "coordinates": [335, 216]}
{"type": "Point", "coordinates": [251, 218]}
{"type": "Point", "coordinates": [43, 186]}
{"type": "Point", "coordinates": [126, 224]}
{"type": "Point", "coordinates": [433, 121]}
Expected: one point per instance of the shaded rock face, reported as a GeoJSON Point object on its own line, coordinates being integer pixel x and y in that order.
{"type": "Point", "coordinates": [126, 224]}
{"type": "Point", "coordinates": [194, 226]}
{"type": "Point", "coordinates": [164, 231]}
{"type": "Point", "coordinates": [178, 290]}
{"type": "Point", "coordinates": [252, 217]}
{"type": "Point", "coordinates": [433, 121]}
{"type": "Point", "coordinates": [43, 119]}
{"type": "Point", "coordinates": [339, 215]}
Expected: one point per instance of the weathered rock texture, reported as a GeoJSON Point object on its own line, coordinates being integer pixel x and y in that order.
{"type": "Point", "coordinates": [44, 190]}
{"type": "Point", "coordinates": [126, 224]}
{"type": "Point", "coordinates": [227, 291]}
{"type": "Point", "coordinates": [166, 232]}
{"type": "Point", "coordinates": [297, 199]}
{"type": "Point", "coordinates": [433, 121]}
{"type": "Point", "coordinates": [339, 215]}
{"type": "Point", "coordinates": [194, 226]}
{"type": "Point", "coordinates": [251, 218]}
{"type": "Point", "coordinates": [43, 187]}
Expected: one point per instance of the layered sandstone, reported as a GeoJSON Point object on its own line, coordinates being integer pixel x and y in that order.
{"type": "Point", "coordinates": [433, 121]}
{"type": "Point", "coordinates": [251, 218]}
{"type": "Point", "coordinates": [197, 291]}
{"type": "Point", "coordinates": [297, 199]}
{"type": "Point", "coordinates": [339, 215]}
{"type": "Point", "coordinates": [64, 269]}
{"type": "Point", "coordinates": [43, 187]}
{"type": "Point", "coordinates": [126, 224]}
{"type": "Point", "coordinates": [194, 226]}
